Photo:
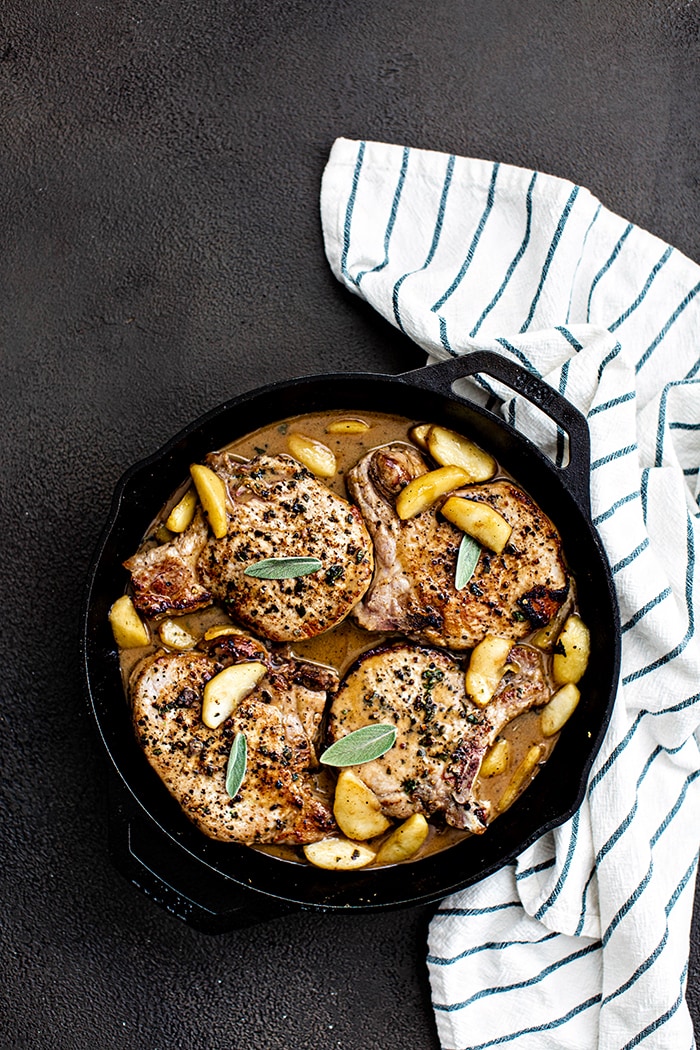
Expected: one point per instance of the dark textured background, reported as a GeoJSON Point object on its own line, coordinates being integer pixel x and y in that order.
{"type": "Point", "coordinates": [160, 250]}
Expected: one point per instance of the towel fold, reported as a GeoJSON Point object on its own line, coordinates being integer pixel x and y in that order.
{"type": "Point", "coordinates": [583, 942]}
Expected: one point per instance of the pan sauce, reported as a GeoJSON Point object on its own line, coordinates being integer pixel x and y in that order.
{"type": "Point", "coordinates": [342, 645]}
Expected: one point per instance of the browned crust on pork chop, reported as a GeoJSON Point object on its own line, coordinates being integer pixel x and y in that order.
{"type": "Point", "coordinates": [165, 579]}
{"type": "Point", "coordinates": [277, 802]}
{"type": "Point", "coordinates": [442, 736]}
{"type": "Point", "coordinates": [413, 590]}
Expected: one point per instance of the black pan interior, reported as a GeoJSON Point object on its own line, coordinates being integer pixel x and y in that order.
{"type": "Point", "coordinates": [558, 788]}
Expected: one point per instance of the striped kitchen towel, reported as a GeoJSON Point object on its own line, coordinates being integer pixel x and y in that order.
{"type": "Point", "coordinates": [583, 942]}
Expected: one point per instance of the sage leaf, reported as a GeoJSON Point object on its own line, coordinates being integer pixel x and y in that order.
{"type": "Point", "coordinates": [237, 761]}
{"type": "Point", "coordinates": [360, 746]}
{"type": "Point", "coordinates": [469, 551]}
{"type": "Point", "coordinates": [282, 568]}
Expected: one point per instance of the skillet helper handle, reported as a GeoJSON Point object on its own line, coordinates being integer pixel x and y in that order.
{"type": "Point", "coordinates": [576, 475]}
{"type": "Point", "coordinates": [205, 900]}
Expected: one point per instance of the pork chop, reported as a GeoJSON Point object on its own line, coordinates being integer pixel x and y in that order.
{"type": "Point", "coordinates": [276, 508]}
{"type": "Point", "coordinates": [277, 801]}
{"type": "Point", "coordinates": [442, 736]}
{"type": "Point", "coordinates": [279, 509]}
{"type": "Point", "coordinates": [413, 590]}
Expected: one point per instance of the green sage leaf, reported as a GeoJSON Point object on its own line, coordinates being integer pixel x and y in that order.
{"type": "Point", "coordinates": [360, 746]}
{"type": "Point", "coordinates": [469, 551]}
{"type": "Point", "coordinates": [282, 568]}
{"type": "Point", "coordinates": [237, 761]}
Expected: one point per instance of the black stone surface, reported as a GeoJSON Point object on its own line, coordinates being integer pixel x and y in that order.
{"type": "Point", "coordinates": [160, 250]}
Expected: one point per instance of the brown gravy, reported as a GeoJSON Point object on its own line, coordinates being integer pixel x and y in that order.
{"type": "Point", "coordinates": [342, 645]}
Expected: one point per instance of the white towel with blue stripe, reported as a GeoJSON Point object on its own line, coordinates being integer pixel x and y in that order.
{"type": "Point", "coordinates": [583, 942]}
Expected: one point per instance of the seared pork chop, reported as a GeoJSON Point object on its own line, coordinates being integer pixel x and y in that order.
{"type": "Point", "coordinates": [442, 736]}
{"type": "Point", "coordinates": [276, 509]}
{"type": "Point", "coordinates": [277, 801]}
{"type": "Point", "coordinates": [413, 590]}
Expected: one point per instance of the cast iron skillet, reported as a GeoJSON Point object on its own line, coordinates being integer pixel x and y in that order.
{"type": "Point", "coordinates": [217, 886]}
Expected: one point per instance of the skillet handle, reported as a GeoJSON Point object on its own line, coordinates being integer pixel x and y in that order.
{"type": "Point", "coordinates": [577, 473]}
{"type": "Point", "coordinates": [164, 872]}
